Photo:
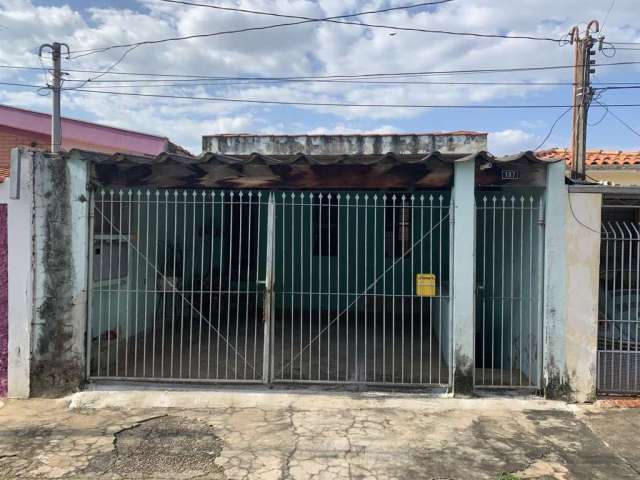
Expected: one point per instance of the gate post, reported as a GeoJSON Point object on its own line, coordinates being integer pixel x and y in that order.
{"type": "Point", "coordinates": [463, 281]}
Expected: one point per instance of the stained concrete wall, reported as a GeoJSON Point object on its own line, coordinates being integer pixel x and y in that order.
{"type": "Point", "coordinates": [60, 255]}
{"type": "Point", "coordinates": [454, 142]}
{"type": "Point", "coordinates": [583, 214]}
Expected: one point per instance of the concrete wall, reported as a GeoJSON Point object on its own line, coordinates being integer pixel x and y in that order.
{"type": "Point", "coordinates": [583, 215]}
{"type": "Point", "coordinates": [20, 277]}
{"type": "Point", "coordinates": [454, 142]}
{"type": "Point", "coordinates": [60, 253]}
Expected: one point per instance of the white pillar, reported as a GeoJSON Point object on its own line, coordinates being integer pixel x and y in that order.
{"type": "Point", "coordinates": [583, 266]}
{"type": "Point", "coordinates": [463, 280]}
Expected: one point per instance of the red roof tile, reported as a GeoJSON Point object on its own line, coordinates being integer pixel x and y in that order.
{"type": "Point", "coordinates": [4, 174]}
{"type": "Point", "coordinates": [595, 158]}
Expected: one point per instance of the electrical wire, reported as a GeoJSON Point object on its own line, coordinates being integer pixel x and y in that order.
{"type": "Point", "coordinates": [614, 115]}
{"type": "Point", "coordinates": [328, 104]}
{"type": "Point", "coordinates": [304, 20]}
{"type": "Point", "coordinates": [560, 117]}
{"type": "Point", "coordinates": [347, 76]}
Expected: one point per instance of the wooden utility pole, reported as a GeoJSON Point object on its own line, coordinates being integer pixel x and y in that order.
{"type": "Point", "coordinates": [582, 94]}
{"type": "Point", "coordinates": [56, 87]}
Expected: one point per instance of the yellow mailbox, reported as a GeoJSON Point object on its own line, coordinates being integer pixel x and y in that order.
{"type": "Point", "coordinates": [425, 285]}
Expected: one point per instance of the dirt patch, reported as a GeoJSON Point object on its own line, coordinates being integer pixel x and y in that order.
{"type": "Point", "coordinates": [164, 447]}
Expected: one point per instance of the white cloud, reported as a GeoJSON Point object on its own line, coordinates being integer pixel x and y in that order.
{"type": "Point", "coordinates": [510, 141]}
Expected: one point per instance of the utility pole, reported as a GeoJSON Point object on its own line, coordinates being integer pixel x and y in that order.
{"type": "Point", "coordinates": [56, 86]}
{"type": "Point", "coordinates": [582, 94]}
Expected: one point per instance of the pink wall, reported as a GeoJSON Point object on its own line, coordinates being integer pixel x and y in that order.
{"type": "Point", "coordinates": [4, 301]}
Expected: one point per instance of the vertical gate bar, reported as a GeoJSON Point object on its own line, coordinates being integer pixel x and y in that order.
{"type": "Point", "coordinates": [291, 288]}
{"type": "Point", "coordinates": [521, 288]}
{"type": "Point", "coordinates": [238, 282]}
{"type": "Point", "coordinates": [621, 306]}
{"type": "Point", "coordinates": [613, 303]}
{"type": "Point", "coordinates": [540, 332]}
{"type": "Point", "coordinates": [403, 219]}
{"type": "Point", "coordinates": [384, 288]}
{"type": "Point", "coordinates": [431, 209]}
{"type": "Point", "coordinates": [375, 287]}
{"type": "Point", "coordinates": [267, 358]}
{"type": "Point", "coordinates": [211, 291]}
{"type": "Point", "coordinates": [484, 286]}
{"type": "Point", "coordinates": [366, 280]}
{"type": "Point", "coordinates": [193, 281]}
{"type": "Point", "coordinates": [128, 301]}
{"type": "Point", "coordinates": [90, 283]}
{"type": "Point", "coordinates": [257, 293]}
{"type": "Point", "coordinates": [154, 285]}
{"type": "Point", "coordinates": [230, 261]}
{"type": "Point", "coordinates": [101, 280]}
{"type": "Point", "coordinates": [451, 292]}
{"type": "Point", "coordinates": [339, 289]}
{"type": "Point", "coordinates": [138, 289]}
{"type": "Point", "coordinates": [329, 283]}
{"type": "Point", "coordinates": [494, 290]}
{"type": "Point", "coordinates": [502, 282]}
{"type": "Point", "coordinates": [628, 349]}
{"type": "Point", "coordinates": [320, 235]}
{"type": "Point", "coordinates": [118, 282]}
{"type": "Point", "coordinates": [246, 307]}
{"type": "Point", "coordinates": [440, 270]}
{"type": "Point", "coordinates": [203, 240]}
{"type": "Point", "coordinates": [164, 280]}
{"type": "Point", "coordinates": [301, 291]}
{"type": "Point", "coordinates": [512, 210]}
{"type": "Point", "coordinates": [413, 277]}
{"type": "Point", "coordinates": [606, 305]}
{"type": "Point", "coordinates": [220, 268]}
{"type": "Point", "coordinates": [393, 292]}
{"type": "Point", "coordinates": [174, 287]}
{"type": "Point", "coordinates": [421, 269]}
{"type": "Point", "coordinates": [311, 216]}
{"type": "Point", "coordinates": [146, 283]}
{"type": "Point", "coordinates": [348, 290]}
{"type": "Point", "coordinates": [184, 266]}
{"type": "Point", "coordinates": [637, 242]}
{"type": "Point", "coordinates": [532, 296]}
{"type": "Point", "coordinates": [110, 279]}
{"type": "Point", "coordinates": [356, 273]}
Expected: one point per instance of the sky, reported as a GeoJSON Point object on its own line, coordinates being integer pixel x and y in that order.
{"type": "Point", "coordinates": [323, 49]}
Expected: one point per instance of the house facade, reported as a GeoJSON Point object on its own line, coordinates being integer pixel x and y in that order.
{"type": "Point", "coordinates": [379, 261]}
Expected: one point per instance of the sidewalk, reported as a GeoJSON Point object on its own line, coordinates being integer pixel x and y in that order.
{"type": "Point", "coordinates": [258, 435]}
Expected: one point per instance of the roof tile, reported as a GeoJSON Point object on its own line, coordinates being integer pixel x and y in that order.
{"type": "Point", "coordinates": [595, 158]}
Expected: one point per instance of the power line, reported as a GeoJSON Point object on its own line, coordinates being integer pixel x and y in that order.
{"type": "Point", "coordinates": [552, 128]}
{"type": "Point", "coordinates": [304, 20]}
{"type": "Point", "coordinates": [328, 104]}
{"type": "Point", "coordinates": [333, 19]}
{"type": "Point", "coordinates": [347, 76]}
{"type": "Point", "coordinates": [614, 115]}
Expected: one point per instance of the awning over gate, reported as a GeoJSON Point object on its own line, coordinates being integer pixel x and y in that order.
{"type": "Point", "coordinates": [211, 170]}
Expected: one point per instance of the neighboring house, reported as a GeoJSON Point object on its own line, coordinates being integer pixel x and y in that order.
{"type": "Point", "coordinates": [19, 127]}
{"type": "Point", "coordinates": [613, 167]}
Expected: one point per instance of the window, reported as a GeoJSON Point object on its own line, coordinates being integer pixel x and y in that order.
{"type": "Point", "coordinates": [325, 226]}
{"type": "Point", "coordinates": [397, 229]}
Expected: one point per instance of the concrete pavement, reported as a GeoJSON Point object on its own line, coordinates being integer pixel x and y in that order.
{"type": "Point", "coordinates": [278, 435]}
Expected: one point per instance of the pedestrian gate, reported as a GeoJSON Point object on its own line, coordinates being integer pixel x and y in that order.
{"type": "Point", "coordinates": [619, 300]}
{"type": "Point", "coordinates": [276, 287]}
{"type": "Point", "coordinates": [509, 253]}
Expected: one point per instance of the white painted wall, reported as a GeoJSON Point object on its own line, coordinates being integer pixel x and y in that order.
{"type": "Point", "coordinates": [583, 213]}
{"type": "Point", "coordinates": [20, 245]}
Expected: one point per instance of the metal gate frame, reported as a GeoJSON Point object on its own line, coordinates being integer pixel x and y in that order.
{"type": "Point", "coordinates": [508, 205]}
{"type": "Point", "coordinates": [618, 310]}
{"type": "Point", "coordinates": [268, 367]}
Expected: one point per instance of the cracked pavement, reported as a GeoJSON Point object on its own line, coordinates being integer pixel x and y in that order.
{"type": "Point", "coordinates": [317, 435]}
